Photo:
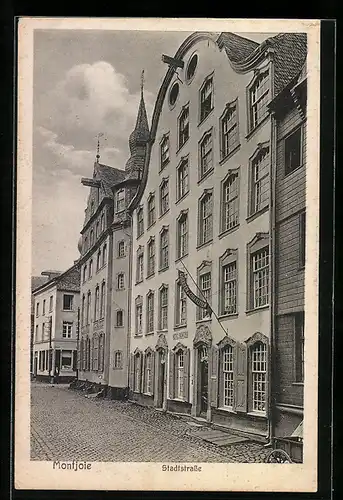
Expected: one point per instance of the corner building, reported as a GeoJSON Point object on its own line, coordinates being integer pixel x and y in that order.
{"type": "Point", "coordinates": [203, 209]}
{"type": "Point", "coordinates": [105, 266]}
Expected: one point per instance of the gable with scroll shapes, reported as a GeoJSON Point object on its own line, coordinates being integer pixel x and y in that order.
{"type": "Point", "coordinates": [203, 335]}
{"type": "Point", "coordinates": [257, 337]}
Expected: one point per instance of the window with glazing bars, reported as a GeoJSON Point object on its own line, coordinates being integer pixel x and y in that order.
{"type": "Point", "coordinates": [164, 197]}
{"type": "Point", "coordinates": [182, 179]}
{"type": "Point", "coordinates": [140, 267]}
{"type": "Point", "coordinates": [181, 313]}
{"type": "Point", "coordinates": [140, 221]}
{"type": "Point", "coordinates": [164, 151]}
{"type": "Point", "coordinates": [88, 317]}
{"type": "Point", "coordinates": [120, 200]}
{"type": "Point", "coordinates": [137, 367]}
{"type": "Point", "coordinates": [206, 98]}
{"type": "Point", "coordinates": [183, 236]}
{"type": "Point", "coordinates": [150, 313]}
{"type": "Point", "coordinates": [260, 181]}
{"type": "Point", "coordinates": [121, 249]}
{"type": "Point", "coordinates": [229, 303]}
{"type": "Point", "coordinates": [180, 366]}
{"type": "Point", "coordinates": [151, 210]}
{"type": "Point", "coordinates": [148, 373]}
{"type": "Point", "coordinates": [229, 131]}
{"type": "Point", "coordinates": [163, 308]}
{"type": "Point", "coordinates": [259, 98]}
{"type": "Point", "coordinates": [206, 218]}
{"type": "Point", "coordinates": [228, 377]}
{"type": "Point", "coordinates": [151, 257]}
{"type": "Point", "coordinates": [259, 376]}
{"type": "Point", "coordinates": [120, 281]}
{"type": "Point", "coordinates": [260, 270]}
{"type": "Point", "coordinates": [139, 318]}
{"type": "Point", "coordinates": [205, 287]}
{"type": "Point", "coordinates": [184, 126]}
{"type": "Point", "coordinates": [97, 303]}
{"type": "Point", "coordinates": [164, 249]}
{"type": "Point", "coordinates": [102, 300]}
{"type": "Point", "coordinates": [206, 156]}
{"type": "Point", "coordinates": [230, 200]}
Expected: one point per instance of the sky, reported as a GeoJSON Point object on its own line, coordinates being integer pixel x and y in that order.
{"type": "Point", "coordinates": [85, 83]}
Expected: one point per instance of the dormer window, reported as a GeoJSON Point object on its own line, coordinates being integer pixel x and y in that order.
{"type": "Point", "coordinates": [120, 205]}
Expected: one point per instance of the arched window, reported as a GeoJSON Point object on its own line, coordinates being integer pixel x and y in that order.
{"type": "Point", "coordinates": [137, 372]}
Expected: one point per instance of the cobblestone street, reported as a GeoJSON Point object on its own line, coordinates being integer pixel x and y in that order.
{"type": "Point", "coordinates": [65, 425]}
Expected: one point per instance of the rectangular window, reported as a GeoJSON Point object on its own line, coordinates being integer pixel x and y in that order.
{"type": "Point", "coordinates": [259, 376]}
{"type": "Point", "coordinates": [120, 318]}
{"type": "Point", "coordinates": [180, 366]}
{"type": "Point", "coordinates": [121, 249]}
{"type": "Point", "coordinates": [164, 152]}
{"type": "Point", "coordinates": [120, 281]}
{"type": "Point", "coordinates": [229, 298]}
{"type": "Point", "coordinates": [164, 197]}
{"type": "Point", "coordinates": [302, 239]}
{"type": "Point", "coordinates": [43, 331]}
{"type": "Point", "coordinates": [36, 333]}
{"type": "Point", "coordinates": [150, 313]}
{"type": "Point", "coordinates": [117, 359]}
{"type": "Point", "coordinates": [205, 219]}
{"type": "Point", "coordinates": [43, 307]}
{"type": "Point", "coordinates": [299, 347]}
{"type": "Point", "coordinates": [120, 200]}
{"type": "Point", "coordinates": [148, 373]}
{"type": "Point", "coordinates": [184, 126]}
{"type": "Point", "coordinates": [206, 155]}
{"type": "Point", "coordinates": [260, 182]}
{"type": "Point", "coordinates": [181, 306]}
{"type": "Point", "coordinates": [139, 319]}
{"type": "Point", "coordinates": [68, 302]}
{"type": "Point", "coordinates": [151, 258]}
{"type": "Point", "coordinates": [66, 362]}
{"type": "Point", "coordinates": [84, 273]}
{"type": "Point", "coordinates": [163, 323]}
{"type": "Point", "coordinates": [51, 303]}
{"type": "Point", "coordinates": [228, 377]}
{"type": "Point", "coordinates": [230, 202]}
{"type": "Point", "coordinates": [205, 287]}
{"type": "Point", "coordinates": [140, 267]}
{"type": "Point", "coordinates": [37, 309]}
{"type": "Point", "coordinates": [182, 180]}
{"type": "Point", "coordinates": [151, 211]}
{"type": "Point", "coordinates": [88, 312]}
{"type": "Point", "coordinates": [182, 236]}
{"type": "Point", "coordinates": [293, 157]}
{"type": "Point", "coordinates": [164, 249]}
{"type": "Point", "coordinates": [206, 99]}
{"type": "Point", "coordinates": [102, 300]}
{"type": "Point", "coordinates": [229, 131]}
{"type": "Point", "coordinates": [258, 99]}
{"type": "Point", "coordinates": [67, 329]}
{"type": "Point", "coordinates": [137, 370]}
{"type": "Point", "coordinates": [260, 271]}
{"type": "Point", "coordinates": [140, 222]}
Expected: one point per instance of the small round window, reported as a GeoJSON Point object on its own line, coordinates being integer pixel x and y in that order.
{"type": "Point", "coordinates": [174, 94]}
{"type": "Point", "coordinates": [192, 65]}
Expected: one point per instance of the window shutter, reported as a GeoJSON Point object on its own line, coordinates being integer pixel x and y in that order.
{"type": "Point", "coordinates": [153, 372]}
{"type": "Point", "coordinates": [74, 361]}
{"type": "Point", "coordinates": [143, 372]}
{"type": "Point", "coordinates": [171, 375]}
{"type": "Point", "coordinates": [214, 376]}
{"type": "Point", "coordinates": [132, 372]}
{"type": "Point", "coordinates": [186, 374]}
{"type": "Point", "coordinates": [241, 361]}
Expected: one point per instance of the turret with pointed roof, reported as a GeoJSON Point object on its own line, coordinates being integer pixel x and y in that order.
{"type": "Point", "coordinates": [138, 141]}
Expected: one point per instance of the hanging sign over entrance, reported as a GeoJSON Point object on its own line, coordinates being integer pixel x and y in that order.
{"type": "Point", "coordinates": [203, 304]}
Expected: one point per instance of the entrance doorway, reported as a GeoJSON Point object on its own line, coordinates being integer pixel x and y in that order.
{"type": "Point", "coordinates": [161, 378]}
{"type": "Point", "coordinates": [203, 380]}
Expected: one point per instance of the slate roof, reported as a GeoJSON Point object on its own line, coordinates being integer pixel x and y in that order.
{"type": "Point", "coordinates": [70, 280]}
{"type": "Point", "coordinates": [290, 52]}
{"type": "Point", "coordinates": [37, 281]}
{"type": "Point", "coordinates": [237, 47]}
{"type": "Point", "coordinates": [109, 177]}
{"type": "Point", "coordinates": [140, 133]}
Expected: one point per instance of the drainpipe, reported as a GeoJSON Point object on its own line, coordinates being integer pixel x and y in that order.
{"type": "Point", "coordinates": [129, 297]}
{"type": "Point", "coordinates": [272, 357]}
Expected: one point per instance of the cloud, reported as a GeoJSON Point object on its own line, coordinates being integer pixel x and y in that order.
{"type": "Point", "coordinates": [92, 98]}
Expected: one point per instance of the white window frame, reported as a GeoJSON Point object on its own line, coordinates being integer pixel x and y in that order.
{"type": "Point", "coordinates": [151, 257]}
{"type": "Point", "coordinates": [181, 306]}
{"type": "Point", "coordinates": [228, 385]}
{"type": "Point", "coordinates": [151, 210]}
{"type": "Point", "coordinates": [183, 126]}
{"type": "Point", "coordinates": [121, 249]}
{"type": "Point", "coordinates": [163, 307]}
{"type": "Point", "coordinates": [206, 95]}
{"type": "Point", "coordinates": [180, 371]}
{"type": "Point", "coordinates": [256, 97]}
{"type": "Point", "coordinates": [205, 155]}
{"type": "Point", "coordinates": [164, 196]}
{"type": "Point", "coordinates": [164, 248]}
{"type": "Point", "coordinates": [259, 179]}
{"type": "Point", "coordinates": [182, 178]}
{"type": "Point", "coordinates": [164, 151]}
{"type": "Point", "coordinates": [139, 316]}
{"type": "Point", "coordinates": [150, 312]}
{"type": "Point", "coordinates": [120, 200]}
{"type": "Point", "coordinates": [229, 129]}
{"type": "Point", "coordinates": [205, 233]}
{"type": "Point", "coordinates": [140, 221]}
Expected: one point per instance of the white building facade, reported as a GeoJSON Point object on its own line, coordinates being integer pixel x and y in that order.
{"type": "Point", "coordinates": [201, 225]}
